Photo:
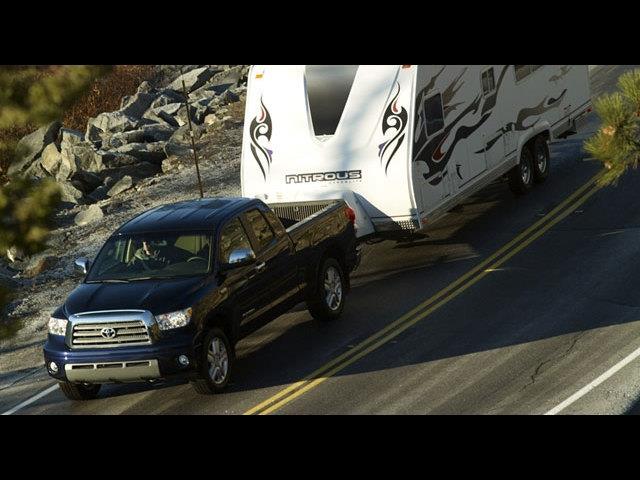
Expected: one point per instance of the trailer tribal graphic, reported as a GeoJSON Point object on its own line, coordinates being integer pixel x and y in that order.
{"type": "Point", "coordinates": [526, 113]}
{"type": "Point", "coordinates": [394, 118]}
{"type": "Point", "coordinates": [564, 71]}
{"type": "Point", "coordinates": [261, 128]}
{"type": "Point", "coordinates": [432, 151]}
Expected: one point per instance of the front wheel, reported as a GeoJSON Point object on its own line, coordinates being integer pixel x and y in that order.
{"type": "Point", "coordinates": [78, 391]}
{"type": "Point", "coordinates": [327, 301]}
{"type": "Point", "coordinates": [521, 176]}
{"type": "Point", "coordinates": [215, 363]}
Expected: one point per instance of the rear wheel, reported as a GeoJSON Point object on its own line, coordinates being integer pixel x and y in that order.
{"type": "Point", "coordinates": [77, 391]}
{"type": "Point", "coordinates": [521, 176]}
{"type": "Point", "coordinates": [327, 301]}
{"type": "Point", "coordinates": [542, 160]}
{"type": "Point", "coordinates": [215, 363]}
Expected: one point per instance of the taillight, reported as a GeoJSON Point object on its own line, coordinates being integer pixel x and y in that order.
{"type": "Point", "coordinates": [351, 214]}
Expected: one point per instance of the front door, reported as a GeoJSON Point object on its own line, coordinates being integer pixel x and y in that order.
{"type": "Point", "coordinates": [275, 272]}
{"type": "Point", "coordinates": [238, 282]}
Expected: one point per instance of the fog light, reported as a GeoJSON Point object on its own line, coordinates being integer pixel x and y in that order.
{"type": "Point", "coordinates": [53, 367]}
{"type": "Point", "coordinates": [183, 360]}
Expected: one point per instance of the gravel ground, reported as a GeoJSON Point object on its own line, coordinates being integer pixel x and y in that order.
{"type": "Point", "coordinates": [219, 154]}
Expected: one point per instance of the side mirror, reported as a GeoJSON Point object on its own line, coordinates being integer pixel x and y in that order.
{"type": "Point", "coordinates": [240, 258]}
{"type": "Point", "coordinates": [83, 264]}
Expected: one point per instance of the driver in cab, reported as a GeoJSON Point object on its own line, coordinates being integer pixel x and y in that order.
{"type": "Point", "coordinates": [150, 256]}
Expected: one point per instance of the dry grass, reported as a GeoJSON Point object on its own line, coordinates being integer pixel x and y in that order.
{"type": "Point", "coordinates": [104, 96]}
{"type": "Point", "coordinates": [8, 138]}
{"type": "Point", "coordinates": [106, 93]}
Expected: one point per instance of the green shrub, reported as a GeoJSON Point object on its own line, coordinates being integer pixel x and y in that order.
{"type": "Point", "coordinates": [617, 143]}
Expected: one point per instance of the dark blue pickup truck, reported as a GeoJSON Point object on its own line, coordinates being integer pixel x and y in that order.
{"type": "Point", "coordinates": [173, 290]}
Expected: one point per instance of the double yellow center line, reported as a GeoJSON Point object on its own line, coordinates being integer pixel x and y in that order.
{"type": "Point", "coordinates": [425, 309]}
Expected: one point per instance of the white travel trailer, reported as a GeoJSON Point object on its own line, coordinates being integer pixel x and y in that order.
{"type": "Point", "coordinates": [402, 144]}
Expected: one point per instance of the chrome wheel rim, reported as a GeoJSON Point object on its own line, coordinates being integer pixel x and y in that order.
{"type": "Point", "coordinates": [542, 160]}
{"type": "Point", "coordinates": [218, 360]}
{"type": "Point", "coordinates": [333, 289]}
{"type": "Point", "coordinates": [525, 171]}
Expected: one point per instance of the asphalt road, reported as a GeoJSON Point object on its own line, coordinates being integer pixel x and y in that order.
{"type": "Point", "coordinates": [520, 334]}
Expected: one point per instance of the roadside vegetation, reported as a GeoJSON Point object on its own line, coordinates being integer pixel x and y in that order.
{"type": "Point", "coordinates": [30, 97]}
{"type": "Point", "coordinates": [617, 143]}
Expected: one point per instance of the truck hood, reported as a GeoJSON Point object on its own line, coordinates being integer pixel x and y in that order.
{"type": "Point", "coordinates": [157, 296]}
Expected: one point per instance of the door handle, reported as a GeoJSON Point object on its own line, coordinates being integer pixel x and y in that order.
{"type": "Point", "coordinates": [261, 267]}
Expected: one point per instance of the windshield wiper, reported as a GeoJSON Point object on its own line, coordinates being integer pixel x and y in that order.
{"type": "Point", "coordinates": [148, 278]}
{"type": "Point", "coordinates": [109, 280]}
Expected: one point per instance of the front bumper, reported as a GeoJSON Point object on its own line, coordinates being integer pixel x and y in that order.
{"type": "Point", "coordinates": [123, 364]}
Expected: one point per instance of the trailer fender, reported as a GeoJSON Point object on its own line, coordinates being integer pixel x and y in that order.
{"type": "Point", "coordinates": [538, 129]}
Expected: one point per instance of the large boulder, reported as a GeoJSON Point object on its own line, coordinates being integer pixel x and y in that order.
{"type": "Point", "coordinates": [183, 134]}
{"type": "Point", "coordinates": [90, 215]}
{"type": "Point", "coordinates": [69, 193]}
{"type": "Point", "coordinates": [167, 97]}
{"type": "Point", "coordinates": [78, 157]}
{"type": "Point", "coordinates": [163, 115]}
{"type": "Point", "coordinates": [144, 152]}
{"type": "Point", "coordinates": [70, 137]}
{"type": "Point", "coordinates": [223, 81]}
{"type": "Point", "coordinates": [122, 138]}
{"type": "Point", "coordinates": [31, 146]}
{"type": "Point", "coordinates": [138, 104]}
{"type": "Point", "coordinates": [113, 160]}
{"type": "Point", "coordinates": [157, 133]}
{"type": "Point", "coordinates": [98, 194]}
{"type": "Point", "coordinates": [145, 87]}
{"type": "Point", "coordinates": [122, 185]}
{"type": "Point", "coordinates": [50, 159]}
{"type": "Point", "coordinates": [193, 79]}
{"type": "Point", "coordinates": [106, 124]}
{"type": "Point", "coordinates": [86, 182]}
{"type": "Point", "coordinates": [39, 264]}
{"type": "Point", "coordinates": [229, 97]}
{"type": "Point", "coordinates": [35, 170]}
{"type": "Point", "coordinates": [197, 114]}
{"type": "Point", "coordinates": [177, 149]}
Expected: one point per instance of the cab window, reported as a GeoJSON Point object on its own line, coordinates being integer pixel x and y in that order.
{"type": "Point", "coordinates": [275, 223]}
{"type": "Point", "coordinates": [233, 237]}
{"type": "Point", "coordinates": [261, 229]}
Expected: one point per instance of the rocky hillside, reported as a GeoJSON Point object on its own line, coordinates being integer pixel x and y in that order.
{"type": "Point", "coordinates": [124, 163]}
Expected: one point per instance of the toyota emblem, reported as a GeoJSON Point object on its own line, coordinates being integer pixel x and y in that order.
{"type": "Point", "coordinates": [108, 332]}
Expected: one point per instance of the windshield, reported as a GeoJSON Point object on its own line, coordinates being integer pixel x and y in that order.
{"type": "Point", "coordinates": [143, 257]}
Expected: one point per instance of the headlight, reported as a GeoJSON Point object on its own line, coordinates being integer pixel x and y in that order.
{"type": "Point", "coordinates": [168, 321]}
{"type": "Point", "coordinates": [58, 326]}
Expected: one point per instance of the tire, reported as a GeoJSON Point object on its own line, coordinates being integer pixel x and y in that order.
{"type": "Point", "coordinates": [521, 176]}
{"type": "Point", "coordinates": [79, 392]}
{"type": "Point", "coordinates": [541, 160]}
{"type": "Point", "coordinates": [216, 363]}
{"type": "Point", "coordinates": [327, 301]}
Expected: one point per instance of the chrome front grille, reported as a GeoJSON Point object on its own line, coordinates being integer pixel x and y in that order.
{"type": "Point", "coordinates": [110, 334]}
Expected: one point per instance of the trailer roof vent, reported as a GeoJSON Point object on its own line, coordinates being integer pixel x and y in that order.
{"type": "Point", "coordinates": [328, 89]}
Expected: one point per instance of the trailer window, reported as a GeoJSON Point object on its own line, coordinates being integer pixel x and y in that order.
{"type": "Point", "coordinates": [434, 114]}
{"type": "Point", "coordinates": [523, 71]}
{"type": "Point", "coordinates": [488, 82]}
{"type": "Point", "coordinates": [328, 89]}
